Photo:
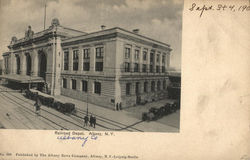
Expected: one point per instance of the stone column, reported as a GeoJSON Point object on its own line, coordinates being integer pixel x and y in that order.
{"type": "Point", "coordinates": [160, 59]}
{"type": "Point", "coordinates": [142, 86]}
{"type": "Point", "coordinates": [148, 60]}
{"type": "Point", "coordinates": [34, 67]}
{"type": "Point", "coordinates": [70, 59]}
{"type": "Point", "coordinates": [3, 66]}
{"type": "Point", "coordinates": [154, 62]}
{"type": "Point", "coordinates": [23, 65]}
{"type": "Point", "coordinates": [132, 57]}
{"type": "Point", "coordinates": [167, 61]}
{"type": "Point", "coordinates": [13, 63]}
{"type": "Point", "coordinates": [140, 59]}
{"type": "Point", "coordinates": [80, 64]}
{"type": "Point", "coordinates": [92, 59]}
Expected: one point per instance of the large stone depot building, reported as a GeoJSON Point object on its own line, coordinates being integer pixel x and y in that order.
{"type": "Point", "coordinates": [106, 67]}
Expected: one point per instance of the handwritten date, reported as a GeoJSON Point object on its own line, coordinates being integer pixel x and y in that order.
{"type": "Point", "coordinates": [220, 7]}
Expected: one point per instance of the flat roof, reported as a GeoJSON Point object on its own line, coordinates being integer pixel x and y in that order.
{"type": "Point", "coordinates": [22, 78]}
{"type": "Point", "coordinates": [114, 30]}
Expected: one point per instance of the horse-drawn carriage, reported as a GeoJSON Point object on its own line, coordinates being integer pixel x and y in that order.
{"type": "Point", "coordinates": [50, 102]}
{"type": "Point", "coordinates": [157, 113]}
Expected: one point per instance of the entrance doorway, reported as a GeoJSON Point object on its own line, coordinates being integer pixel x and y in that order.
{"type": "Point", "coordinates": [17, 64]}
{"type": "Point", "coordinates": [43, 65]}
{"type": "Point", "coordinates": [28, 61]}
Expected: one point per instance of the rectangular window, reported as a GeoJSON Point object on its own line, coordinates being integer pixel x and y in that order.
{"type": "Point", "coordinates": [152, 86]}
{"type": "Point", "coordinates": [137, 87]}
{"type": "Point", "coordinates": [144, 68]}
{"type": "Point", "coordinates": [66, 60]}
{"type": "Point", "coordinates": [86, 53]}
{"type": "Point", "coordinates": [159, 85]}
{"type": "Point", "coordinates": [163, 69]}
{"type": "Point", "coordinates": [73, 84]}
{"type": "Point", "coordinates": [127, 67]}
{"type": "Point", "coordinates": [136, 54]}
{"type": "Point", "coordinates": [75, 60]}
{"type": "Point", "coordinates": [157, 58]}
{"type": "Point", "coordinates": [163, 59]}
{"type": "Point", "coordinates": [144, 55]}
{"type": "Point", "coordinates": [151, 57]}
{"type": "Point", "coordinates": [99, 52]}
{"type": "Point", "coordinates": [97, 88]}
{"type": "Point", "coordinates": [99, 66]}
{"type": "Point", "coordinates": [145, 86]}
{"type": "Point", "coordinates": [127, 53]}
{"type": "Point", "coordinates": [86, 66]}
{"type": "Point", "coordinates": [136, 67]}
{"type": "Point", "coordinates": [64, 83]}
{"type": "Point", "coordinates": [84, 86]}
{"type": "Point", "coordinates": [157, 69]}
{"type": "Point", "coordinates": [151, 68]}
{"type": "Point", "coordinates": [128, 85]}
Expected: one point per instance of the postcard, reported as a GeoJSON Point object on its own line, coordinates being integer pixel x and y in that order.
{"type": "Point", "coordinates": [124, 79]}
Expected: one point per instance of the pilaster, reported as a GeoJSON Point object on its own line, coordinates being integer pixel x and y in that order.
{"type": "Point", "coordinates": [23, 65]}
{"type": "Point", "coordinates": [34, 67]}
{"type": "Point", "coordinates": [80, 64]}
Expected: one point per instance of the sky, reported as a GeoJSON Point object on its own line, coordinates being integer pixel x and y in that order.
{"type": "Point", "coordinates": [157, 19]}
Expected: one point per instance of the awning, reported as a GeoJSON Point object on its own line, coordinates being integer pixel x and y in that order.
{"type": "Point", "coordinates": [22, 78]}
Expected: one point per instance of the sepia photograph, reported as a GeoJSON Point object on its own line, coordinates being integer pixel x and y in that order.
{"type": "Point", "coordinates": [102, 65]}
{"type": "Point", "coordinates": [124, 79]}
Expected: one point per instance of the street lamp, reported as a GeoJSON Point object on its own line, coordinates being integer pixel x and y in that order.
{"type": "Point", "coordinates": [87, 95]}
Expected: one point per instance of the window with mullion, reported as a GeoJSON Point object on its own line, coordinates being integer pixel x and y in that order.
{"type": "Point", "coordinates": [99, 52]}
{"type": "Point", "coordinates": [75, 60]}
{"type": "Point", "coordinates": [86, 53]}
{"type": "Point", "coordinates": [86, 66]}
{"type": "Point", "coordinates": [73, 81]}
{"type": "Point", "coordinates": [152, 86]}
{"type": "Point", "coordinates": [159, 85]}
{"type": "Point", "coordinates": [136, 54]}
{"type": "Point", "coordinates": [136, 67]}
{"type": "Point", "coordinates": [127, 53]}
{"type": "Point", "coordinates": [66, 60]}
{"type": "Point", "coordinates": [128, 85]}
{"type": "Point", "coordinates": [144, 55]}
{"type": "Point", "coordinates": [84, 86]}
{"type": "Point", "coordinates": [145, 86]}
{"type": "Point", "coordinates": [99, 66]}
{"type": "Point", "coordinates": [97, 88]}
{"type": "Point", "coordinates": [127, 67]}
{"type": "Point", "coordinates": [144, 68]}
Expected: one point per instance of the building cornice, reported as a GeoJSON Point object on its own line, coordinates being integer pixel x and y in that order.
{"type": "Point", "coordinates": [115, 33]}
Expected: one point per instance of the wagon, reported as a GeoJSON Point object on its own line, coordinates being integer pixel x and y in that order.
{"type": "Point", "coordinates": [68, 107]}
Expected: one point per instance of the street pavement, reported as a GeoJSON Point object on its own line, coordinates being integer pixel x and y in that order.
{"type": "Point", "coordinates": [17, 112]}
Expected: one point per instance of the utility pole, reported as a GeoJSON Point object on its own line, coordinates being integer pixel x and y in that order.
{"type": "Point", "coordinates": [44, 14]}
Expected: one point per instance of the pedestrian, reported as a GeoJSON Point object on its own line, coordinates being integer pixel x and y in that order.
{"type": "Point", "coordinates": [120, 105]}
{"type": "Point", "coordinates": [94, 121]}
{"type": "Point", "coordinates": [37, 105]}
{"type": "Point", "coordinates": [86, 120]}
{"type": "Point", "coordinates": [117, 106]}
{"type": "Point", "coordinates": [91, 120]}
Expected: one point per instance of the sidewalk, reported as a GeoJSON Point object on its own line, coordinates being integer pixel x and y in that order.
{"type": "Point", "coordinates": [127, 116]}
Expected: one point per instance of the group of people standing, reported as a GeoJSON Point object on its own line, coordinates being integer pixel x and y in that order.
{"type": "Point", "coordinates": [91, 121]}
{"type": "Point", "coordinates": [118, 106]}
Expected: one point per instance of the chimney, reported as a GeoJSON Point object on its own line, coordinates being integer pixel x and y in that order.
{"type": "Point", "coordinates": [103, 27]}
{"type": "Point", "coordinates": [136, 31]}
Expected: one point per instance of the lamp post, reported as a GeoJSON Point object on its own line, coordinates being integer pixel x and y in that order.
{"type": "Point", "coordinates": [87, 95]}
